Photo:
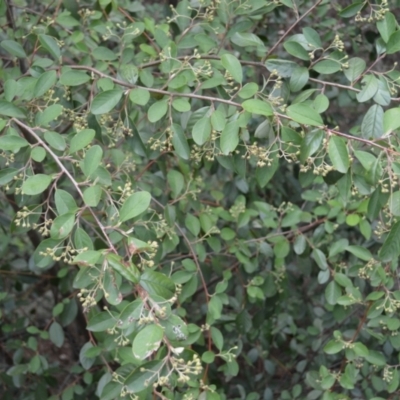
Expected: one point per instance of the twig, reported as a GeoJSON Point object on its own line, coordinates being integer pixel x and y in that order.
{"type": "Point", "coordinates": [159, 91]}
{"type": "Point", "coordinates": [67, 173]}
{"type": "Point", "coordinates": [282, 38]}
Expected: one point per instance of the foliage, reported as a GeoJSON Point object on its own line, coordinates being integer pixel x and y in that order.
{"type": "Point", "coordinates": [199, 201]}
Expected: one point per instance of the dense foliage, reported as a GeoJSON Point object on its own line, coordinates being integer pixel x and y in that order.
{"type": "Point", "coordinates": [199, 201]}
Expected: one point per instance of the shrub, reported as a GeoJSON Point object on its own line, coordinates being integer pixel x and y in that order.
{"type": "Point", "coordinates": [199, 201]}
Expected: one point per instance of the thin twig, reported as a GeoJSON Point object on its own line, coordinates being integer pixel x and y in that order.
{"type": "Point", "coordinates": [282, 38]}
{"type": "Point", "coordinates": [152, 90]}
{"type": "Point", "coordinates": [67, 173]}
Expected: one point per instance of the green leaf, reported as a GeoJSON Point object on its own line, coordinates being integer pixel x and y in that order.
{"type": "Point", "coordinates": [360, 252]}
{"type": "Point", "coordinates": [367, 160]}
{"type": "Point", "coordinates": [104, 102]}
{"type": "Point", "coordinates": [10, 110]}
{"type": "Point", "coordinates": [372, 124]}
{"type": "Point", "coordinates": [81, 140]}
{"type": "Point", "coordinates": [321, 103]}
{"type": "Point", "coordinates": [176, 182]}
{"type": "Point", "coordinates": [393, 44]}
{"type": "Point", "coordinates": [296, 50]}
{"type": "Point", "coordinates": [246, 40]}
{"type": "Point", "coordinates": [332, 293]}
{"type": "Point", "coordinates": [125, 269]}
{"type": "Point", "coordinates": [101, 322]}
{"type": "Point", "coordinates": [387, 26]}
{"type": "Point", "coordinates": [201, 130]}
{"type": "Point", "coordinates": [233, 66]}
{"type": "Point", "coordinates": [394, 203]}
{"type": "Point", "coordinates": [179, 142]}
{"type": "Point", "coordinates": [49, 114]}
{"type": "Point", "coordinates": [391, 120]}
{"type": "Point", "coordinates": [64, 201]}
{"type": "Point", "coordinates": [86, 258]}
{"type": "Point", "coordinates": [369, 89]}
{"type": "Point", "coordinates": [356, 68]}
{"type": "Point", "coordinates": [352, 9]}
{"type": "Point", "coordinates": [104, 54]}
{"type": "Point", "coordinates": [229, 137]}
{"type": "Point", "coordinates": [218, 120]}
{"type": "Point", "coordinates": [217, 337]}
{"type": "Point", "coordinates": [14, 48]}
{"type": "Point", "coordinates": [181, 105]}
{"type": "Point", "coordinates": [55, 140]}
{"type": "Point", "coordinates": [45, 82]}
{"type": "Point", "coordinates": [256, 106]}
{"type": "Point", "coordinates": [382, 96]}
{"type": "Point", "coordinates": [338, 154]}
{"type": "Point", "coordinates": [134, 205]}
{"type": "Point", "coordinates": [376, 202]}
{"type": "Point", "coordinates": [391, 246]}
{"type": "Point", "coordinates": [62, 226]}
{"type": "Point", "coordinates": [284, 68]}
{"type": "Point", "coordinates": [192, 223]}
{"type": "Point", "coordinates": [299, 79]}
{"type": "Point", "coordinates": [312, 37]}
{"type": "Point", "coordinates": [214, 308]}
{"type": "Point", "coordinates": [326, 67]}
{"type": "Point", "coordinates": [342, 280]}
{"type": "Point", "coordinates": [304, 114]}
{"type": "Point", "coordinates": [208, 357]}
{"type": "Point", "coordinates": [140, 379]}
{"type": "Point", "coordinates": [360, 349]}
{"type": "Point", "coordinates": [86, 361]}
{"type": "Point", "coordinates": [50, 44]}
{"type": "Point", "coordinates": [248, 90]}
{"type": "Point", "coordinates": [333, 347]}
{"type": "Point", "coordinates": [311, 144]}
{"type": "Point", "coordinates": [139, 96]}
{"type": "Point", "coordinates": [147, 341]}
{"type": "Point", "coordinates": [320, 258]}
{"type": "Point", "coordinates": [157, 110]}
{"type": "Point", "coordinates": [56, 334]}
{"type": "Point", "coordinates": [74, 78]}
{"type": "Point", "coordinates": [92, 195]}
{"type": "Point", "coordinates": [12, 143]}
{"type": "Point", "coordinates": [376, 358]}
{"type": "Point", "coordinates": [157, 284]}
{"type": "Point", "coordinates": [92, 160]}
{"type": "Point", "coordinates": [7, 175]}
{"type": "Point", "coordinates": [265, 174]}
{"type": "Point", "coordinates": [36, 184]}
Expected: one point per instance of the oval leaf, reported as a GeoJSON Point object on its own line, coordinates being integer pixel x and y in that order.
{"type": "Point", "coordinates": [134, 205]}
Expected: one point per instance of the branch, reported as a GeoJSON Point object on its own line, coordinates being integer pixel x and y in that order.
{"type": "Point", "coordinates": [67, 173]}
{"type": "Point", "coordinates": [152, 90]}
{"type": "Point", "coordinates": [272, 49]}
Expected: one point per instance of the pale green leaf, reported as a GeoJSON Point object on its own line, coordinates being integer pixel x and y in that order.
{"type": "Point", "coordinates": [92, 160]}
{"type": "Point", "coordinates": [36, 184]}
{"type": "Point", "coordinates": [229, 137]}
{"type": "Point", "coordinates": [139, 96]}
{"type": "Point", "coordinates": [14, 48]}
{"type": "Point", "coordinates": [104, 102]}
{"type": "Point", "coordinates": [369, 89]}
{"type": "Point", "coordinates": [391, 246]}
{"type": "Point", "coordinates": [201, 130]}
{"type": "Point", "coordinates": [157, 110]}
{"type": "Point", "coordinates": [233, 66]}
{"type": "Point", "coordinates": [256, 106]}
{"type": "Point", "coordinates": [372, 124]}
{"type": "Point", "coordinates": [134, 205]}
{"type": "Point", "coordinates": [304, 114]}
{"type": "Point", "coordinates": [337, 150]}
